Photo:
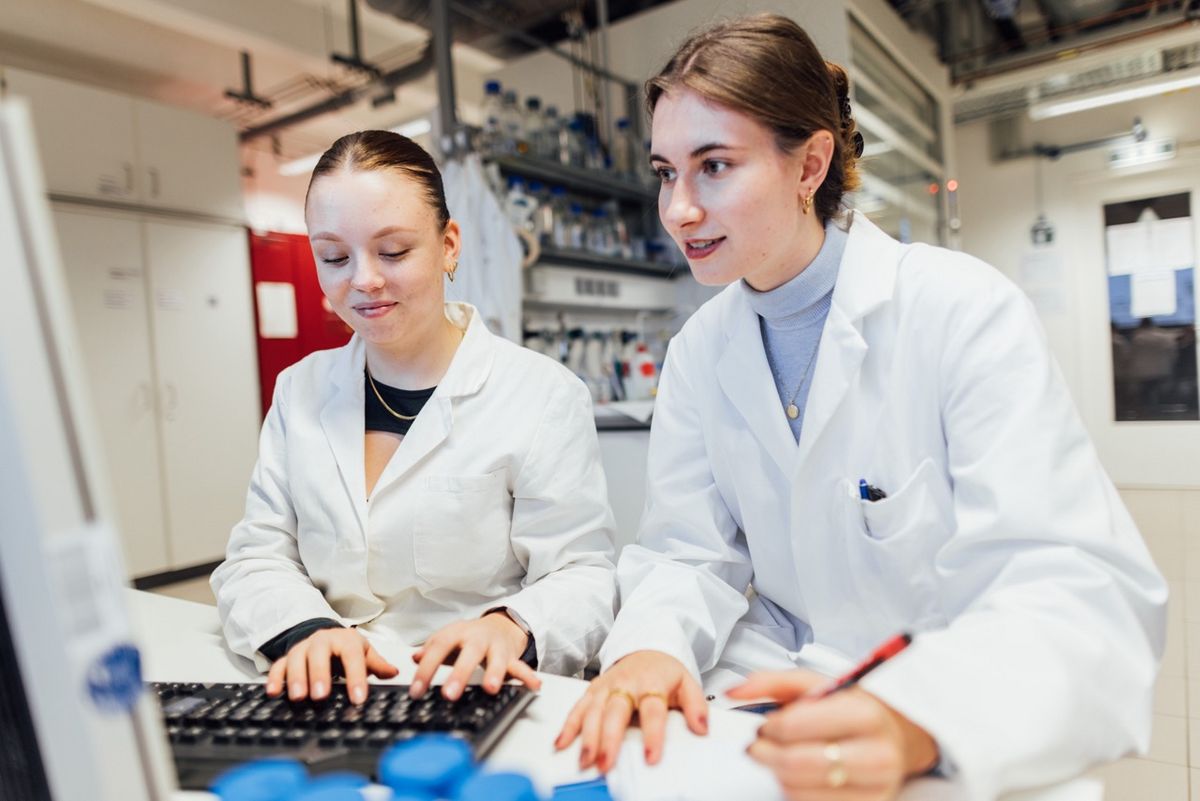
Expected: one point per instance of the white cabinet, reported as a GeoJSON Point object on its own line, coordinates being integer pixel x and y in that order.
{"type": "Point", "coordinates": [163, 311]}
{"type": "Point", "coordinates": [204, 347]}
{"type": "Point", "coordinates": [85, 136]}
{"type": "Point", "coordinates": [106, 146]}
{"type": "Point", "coordinates": [188, 161]}
{"type": "Point", "coordinates": [102, 258]}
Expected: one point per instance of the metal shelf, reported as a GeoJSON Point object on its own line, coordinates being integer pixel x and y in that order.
{"type": "Point", "coordinates": [577, 179]}
{"type": "Point", "coordinates": [594, 261]}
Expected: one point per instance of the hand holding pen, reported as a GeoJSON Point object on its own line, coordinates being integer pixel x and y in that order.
{"type": "Point", "coordinates": [833, 739]}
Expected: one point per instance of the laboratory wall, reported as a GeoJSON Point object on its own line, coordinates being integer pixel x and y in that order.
{"type": "Point", "coordinates": [999, 204]}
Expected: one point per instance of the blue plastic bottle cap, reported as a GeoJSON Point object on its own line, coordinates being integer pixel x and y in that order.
{"type": "Point", "coordinates": [598, 793]}
{"type": "Point", "coordinates": [492, 87]}
{"type": "Point", "coordinates": [434, 764]}
{"type": "Point", "coordinates": [498, 787]}
{"type": "Point", "coordinates": [338, 779]}
{"type": "Point", "coordinates": [262, 780]}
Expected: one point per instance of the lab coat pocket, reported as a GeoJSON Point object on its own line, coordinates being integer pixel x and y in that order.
{"type": "Point", "coordinates": [898, 540]}
{"type": "Point", "coordinates": [902, 511]}
{"type": "Point", "coordinates": [461, 531]}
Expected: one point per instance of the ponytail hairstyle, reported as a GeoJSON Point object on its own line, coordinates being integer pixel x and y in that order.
{"type": "Point", "coordinates": [766, 67]}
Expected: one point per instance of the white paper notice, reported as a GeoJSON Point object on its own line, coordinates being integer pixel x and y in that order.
{"type": "Point", "coordinates": [1172, 244]}
{"type": "Point", "coordinates": [1152, 293]}
{"type": "Point", "coordinates": [1041, 266]}
{"type": "Point", "coordinates": [1128, 248]}
{"type": "Point", "coordinates": [276, 309]}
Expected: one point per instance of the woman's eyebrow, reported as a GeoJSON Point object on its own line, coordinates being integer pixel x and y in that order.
{"type": "Point", "coordinates": [700, 151]}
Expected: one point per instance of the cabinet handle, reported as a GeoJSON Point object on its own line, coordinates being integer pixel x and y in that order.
{"type": "Point", "coordinates": [172, 402]}
{"type": "Point", "coordinates": [128, 178]}
{"type": "Point", "coordinates": [153, 181]}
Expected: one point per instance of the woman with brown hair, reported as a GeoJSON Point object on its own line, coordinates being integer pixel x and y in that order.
{"type": "Point", "coordinates": [859, 438]}
{"type": "Point", "coordinates": [428, 481]}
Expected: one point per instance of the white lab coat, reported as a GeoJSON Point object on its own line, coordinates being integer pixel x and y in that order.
{"type": "Point", "coordinates": [489, 262]}
{"type": "Point", "coordinates": [1002, 544]}
{"type": "Point", "coordinates": [496, 497]}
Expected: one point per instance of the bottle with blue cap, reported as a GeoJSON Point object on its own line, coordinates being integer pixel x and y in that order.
{"type": "Point", "coordinates": [262, 780]}
{"type": "Point", "coordinates": [434, 765]}
{"type": "Point", "coordinates": [498, 787]}
{"type": "Point", "coordinates": [492, 103]}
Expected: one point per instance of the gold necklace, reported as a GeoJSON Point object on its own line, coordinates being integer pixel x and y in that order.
{"type": "Point", "coordinates": [793, 411]}
{"type": "Point", "coordinates": [391, 411]}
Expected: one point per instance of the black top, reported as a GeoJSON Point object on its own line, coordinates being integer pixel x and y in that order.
{"type": "Point", "coordinates": [405, 401]}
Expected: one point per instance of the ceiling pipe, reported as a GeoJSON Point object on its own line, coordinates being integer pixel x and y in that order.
{"type": "Point", "coordinates": [388, 80]}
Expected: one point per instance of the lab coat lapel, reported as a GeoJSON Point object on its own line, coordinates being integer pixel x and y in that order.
{"type": "Point", "coordinates": [468, 369]}
{"type": "Point", "coordinates": [342, 422]}
{"type": "Point", "coordinates": [745, 378]}
{"type": "Point", "coordinates": [866, 280]}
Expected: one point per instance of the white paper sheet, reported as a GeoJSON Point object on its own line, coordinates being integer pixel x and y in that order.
{"type": "Point", "coordinates": [1041, 266]}
{"type": "Point", "coordinates": [1128, 248]}
{"type": "Point", "coordinates": [276, 310]}
{"type": "Point", "coordinates": [1152, 293]}
{"type": "Point", "coordinates": [1172, 244]}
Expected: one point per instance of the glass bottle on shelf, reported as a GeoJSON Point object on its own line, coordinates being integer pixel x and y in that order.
{"type": "Point", "coordinates": [492, 112]}
{"type": "Point", "coordinates": [531, 124]}
{"type": "Point", "coordinates": [519, 206]}
{"type": "Point", "coordinates": [576, 227]}
{"type": "Point", "coordinates": [625, 151]}
{"type": "Point", "coordinates": [576, 145]}
{"type": "Point", "coordinates": [559, 235]}
{"type": "Point", "coordinates": [511, 124]}
{"type": "Point", "coordinates": [543, 216]}
{"type": "Point", "coordinates": [545, 145]}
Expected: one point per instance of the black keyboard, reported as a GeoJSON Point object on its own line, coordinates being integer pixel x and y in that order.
{"type": "Point", "coordinates": [212, 727]}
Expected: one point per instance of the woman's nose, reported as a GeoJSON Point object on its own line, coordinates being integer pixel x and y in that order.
{"type": "Point", "coordinates": [367, 275]}
{"type": "Point", "coordinates": [681, 208]}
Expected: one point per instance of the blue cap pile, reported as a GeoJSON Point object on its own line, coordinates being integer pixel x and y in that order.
{"type": "Point", "coordinates": [427, 768]}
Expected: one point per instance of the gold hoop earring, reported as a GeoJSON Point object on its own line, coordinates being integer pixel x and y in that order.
{"type": "Point", "coordinates": [806, 203]}
{"type": "Point", "coordinates": [452, 270]}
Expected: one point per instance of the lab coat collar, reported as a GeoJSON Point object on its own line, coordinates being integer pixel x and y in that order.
{"type": "Point", "coordinates": [866, 280]}
{"type": "Point", "coordinates": [342, 414]}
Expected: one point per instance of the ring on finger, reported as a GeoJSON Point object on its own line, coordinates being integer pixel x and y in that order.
{"type": "Point", "coordinates": [837, 775]}
{"type": "Point", "coordinates": [653, 694]}
{"type": "Point", "coordinates": [621, 692]}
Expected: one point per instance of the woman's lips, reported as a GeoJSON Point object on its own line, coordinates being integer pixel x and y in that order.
{"type": "Point", "coordinates": [373, 310]}
{"type": "Point", "coordinates": [701, 248]}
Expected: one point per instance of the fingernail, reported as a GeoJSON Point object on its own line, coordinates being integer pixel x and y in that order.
{"type": "Point", "coordinates": [648, 754]}
{"type": "Point", "coordinates": [318, 689]}
{"type": "Point", "coordinates": [417, 688]}
{"type": "Point", "coordinates": [359, 694]}
{"type": "Point", "coordinates": [585, 757]}
{"type": "Point", "coordinates": [297, 689]}
{"type": "Point", "coordinates": [451, 690]}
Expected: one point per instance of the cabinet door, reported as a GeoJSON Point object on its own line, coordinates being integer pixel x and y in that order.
{"type": "Point", "coordinates": [102, 259]}
{"type": "Point", "coordinates": [203, 324]}
{"type": "Point", "coordinates": [84, 135]}
{"type": "Point", "coordinates": [188, 161]}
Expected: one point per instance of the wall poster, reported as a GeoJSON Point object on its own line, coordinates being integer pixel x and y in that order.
{"type": "Point", "coordinates": [1152, 307]}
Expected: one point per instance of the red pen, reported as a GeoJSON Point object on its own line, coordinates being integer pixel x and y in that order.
{"type": "Point", "coordinates": [882, 654]}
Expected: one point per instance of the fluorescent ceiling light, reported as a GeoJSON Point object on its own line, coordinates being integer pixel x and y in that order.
{"type": "Point", "coordinates": [414, 128]}
{"type": "Point", "coordinates": [1157, 86]}
{"type": "Point", "coordinates": [300, 166]}
{"type": "Point", "coordinates": [1137, 153]}
{"type": "Point", "coordinates": [305, 164]}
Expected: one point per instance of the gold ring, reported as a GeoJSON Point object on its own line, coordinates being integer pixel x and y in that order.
{"type": "Point", "coordinates": [621, 692]}
{"type": "Point", "coordinates": [653, 694]}
{"type": "Point", "coordinates": [837, 776]}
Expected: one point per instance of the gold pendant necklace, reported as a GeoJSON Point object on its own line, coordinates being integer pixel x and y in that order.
{"type": "Point", "coordinates": [390, 410]}
{"type": "Point", "coordinates": [793, 411]}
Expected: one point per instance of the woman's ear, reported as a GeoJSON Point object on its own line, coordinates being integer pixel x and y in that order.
{"type": "Point", "coordinates": [451, 241]}
{"type": "Point", "coordinates": [816, 155]}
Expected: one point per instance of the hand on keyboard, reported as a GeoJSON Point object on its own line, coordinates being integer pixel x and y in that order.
{"type": "Point", "coordinates": [306, 668]}
{"type": "Point", "coordinates": [494, 641]}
